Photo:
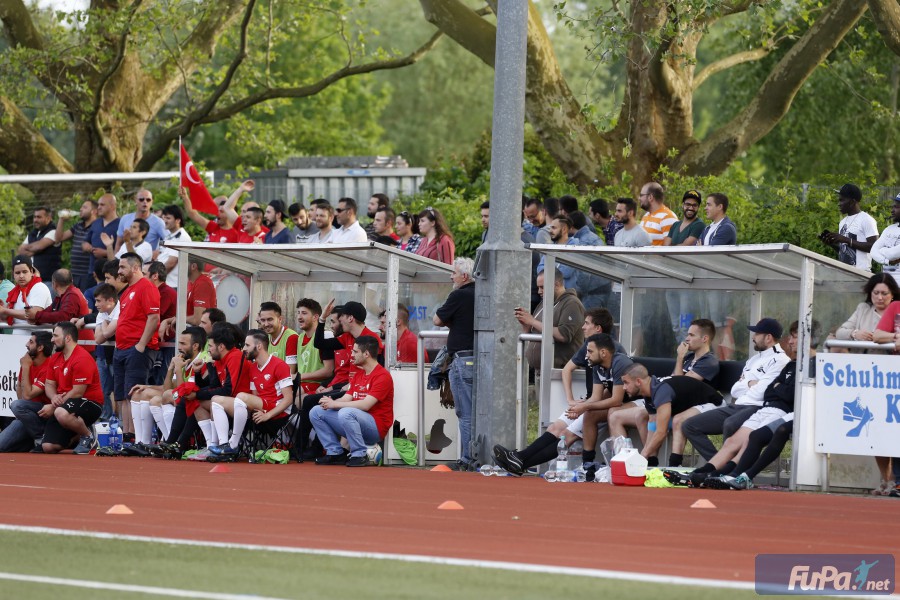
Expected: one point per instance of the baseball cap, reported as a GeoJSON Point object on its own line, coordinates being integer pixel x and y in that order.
{"type": "Point", "coordinates": [21, 259]}
{"type": "Point", "coordinates": [694, 194]}
{"type": "Point", "coordinates": [770, 326]}
{"type": "Point", "coordinates": [848, 190]}
{"type": "Point", "coordinates": [353, 309]}
{"type": "Point", "coordinates": [897, 198]}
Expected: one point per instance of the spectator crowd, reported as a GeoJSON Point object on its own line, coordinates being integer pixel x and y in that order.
{"type": "Point", "coordinates": [307, 388]}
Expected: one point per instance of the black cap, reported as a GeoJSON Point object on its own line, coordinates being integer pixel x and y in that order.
{"type": "Point", "coordinates": [848, 190]}
{"type": "Point", "coordinates": [21, 259]}
{"type": "Point", "coordinates": [691, 194]}
{"type": "Point", "coordinates": [770, 326]}
{"type": "Point", "coordinates": [353, 309]}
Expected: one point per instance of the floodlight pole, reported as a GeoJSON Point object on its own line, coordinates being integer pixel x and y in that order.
{"type": "Point", "coordinates": [503, 265]}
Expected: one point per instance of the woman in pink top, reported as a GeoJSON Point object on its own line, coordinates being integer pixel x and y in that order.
{"type": "Point", "coordinates": [437, 241]}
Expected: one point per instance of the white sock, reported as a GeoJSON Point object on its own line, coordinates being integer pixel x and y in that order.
{"type": "Point", "coordinates": [147, 420]}
{"type": "Point", "coordinates": [168, 411]}
{"type": "Point", "coordinates": [136, 418]}
{"type": "Point", "coordinates": [220, 421]}
{"type": "Point", "coordinates": [207, 428]}
{"type": "Point", "coordinates": [240, 421]}
{"type": "Point", "coordinates": [157, 413]}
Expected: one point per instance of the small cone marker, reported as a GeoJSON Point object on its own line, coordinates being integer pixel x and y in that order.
{"type": "Point", "coordinates": [120, 509]}
{"type": "Point", "coordinates": [441, 469]}
{"type": "Point", "coordinates": [450, 505]}
{"type": "Point", "coordinates": [220, 469]}
{"type": "Point", "coordinates": [703, 503]}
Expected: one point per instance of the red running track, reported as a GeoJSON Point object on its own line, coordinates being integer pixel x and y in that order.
{"type": "Point", "coordinates": [395, 510]}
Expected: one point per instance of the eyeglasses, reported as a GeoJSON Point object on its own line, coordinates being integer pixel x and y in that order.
{"type": "Point", "coordinates": [691, 205]}
{"type": "Point", "coordinates": [643, 195]}
{"type": "Point", "coordinates": [339, 210]}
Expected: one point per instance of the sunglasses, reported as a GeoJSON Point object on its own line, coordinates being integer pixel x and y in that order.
{"type": "Point", "coordinates": [144, 199]}
{"type": "Point", "coordinates": [339, 210]}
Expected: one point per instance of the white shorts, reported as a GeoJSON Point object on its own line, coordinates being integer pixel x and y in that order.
{"type": "Point", "coordinates": [764, 416]}
{"type": "Point", "coordinates": [575, 426]}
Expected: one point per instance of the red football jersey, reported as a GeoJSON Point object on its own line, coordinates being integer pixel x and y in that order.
{"type": "Point", "coordinates": [220, 235]}
{"type": "Point", "coordinates": [342, 363]}
{"type": "Point", "coordinates": [201, 294]}
{"type": "Point", "coordinates": [38, 374]}
{"type": "Point", "coordinates": [136, 302]}
{"type": "Point", "coordinates": [380, 385]}
{"type": "Point", "coordinates": [79, 369]}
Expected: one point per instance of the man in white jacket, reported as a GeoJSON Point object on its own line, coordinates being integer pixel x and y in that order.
{"type": "Point", "coordinates": [886, 250]}
{"type": "Point", "coordinates": [759, 371]}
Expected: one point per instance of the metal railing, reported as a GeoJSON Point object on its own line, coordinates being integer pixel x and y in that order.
{"type": "Point", "coordinates": [855, 345]}
{"type": "Point", "coordinates": [91, 326]}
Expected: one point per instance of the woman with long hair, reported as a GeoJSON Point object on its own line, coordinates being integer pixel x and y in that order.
{"type": "Point", "coordinates": [437, 241]}
{"type": "Point", "coordinates": [407, 227]}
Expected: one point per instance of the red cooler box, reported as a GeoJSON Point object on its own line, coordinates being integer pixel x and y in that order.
{"type": "Point", "coordinates": [628, 467]}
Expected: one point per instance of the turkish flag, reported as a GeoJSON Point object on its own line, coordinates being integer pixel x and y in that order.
{"type": "Point", "coordinates": [190, 179]}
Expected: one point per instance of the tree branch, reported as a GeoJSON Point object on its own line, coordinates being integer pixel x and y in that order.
{"type": "Point", "coordinates": [99, 95]}
{"type": "Point", "coordinates": [726, 63]}
{"type": "Point", "coordinates": [551, 108]}
{"type": "Point", "coordinates": [775, 96]}
{"type": "Point", "coordinates": [886, 14]}
{"type": "Point", "coordinates": [23, 149]}
{"type": "Point", "coordinates": [205, 114]}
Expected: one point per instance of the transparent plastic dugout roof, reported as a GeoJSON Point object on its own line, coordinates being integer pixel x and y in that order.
{"type": "Point", "coordinates": [760, 267]}
{"type": "Point", "coordinates": [362, 262]}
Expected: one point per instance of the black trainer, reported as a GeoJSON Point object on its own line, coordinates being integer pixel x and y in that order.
{"type": "Point", "coordinates": [332, 459]}
{"type": "Point", "coordinates": [358, 461]}
{"type": "Point", "coordinates": [509, 460]}
{"type": "Point", "coordinates": [677, 478]}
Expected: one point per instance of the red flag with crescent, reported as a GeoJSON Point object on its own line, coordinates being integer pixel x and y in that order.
{"type": "Point", "coordinates": [190, 179]}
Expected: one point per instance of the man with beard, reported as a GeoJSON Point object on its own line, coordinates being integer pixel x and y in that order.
{"type": "Point", "coordinates": [560, 227]}
{"type": "Point", "coordinates": [274, 218]}
{"type": "Point", "coordinates": [684, 304]}
{"type": "Point", "coordinates": [161, 402]}
{"type": "Point", "coordinates": [535, 220]}
{"type": "Point", "coordinates": [314, 366]}
{"type": "Point", "coordinates": [632, 235]}
{"type": "Point", "coordinates": [748, 392]}
{"type": "Point", "coordinates": [304, 228]}
{"type": "Point", "coordinates": [272, 397]}
{"type": "Point", "coordinates": [458, 314]}
{"type": "Point", "coordinates": [41, 245]}
{"type": "Point", "coordinates": [383, 226]}
{"type": "Point", "coordinates": [658, 218]}
{"type": "Point", "coordinates": [282, 340]}
{"type": "Point", "coordinates": [73, 387]}
{"type": "Point", "coordinates": [21, 434]}
{"type": "Point", "coordinates": [136, 332]}
{"type": "Point", "coordinates": [324, 224]}
{"type": "Point", "coordinates": [363, 415]}
{"type": "Point", "coordinates": [376, 203]}
{"type": "Point", "coordinates": [857, 232]}
{"type": "Point", "coordinates": [886, 250]}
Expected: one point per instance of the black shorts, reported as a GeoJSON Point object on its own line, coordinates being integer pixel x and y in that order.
{"type": "Point", "coordinates": [54, 433]}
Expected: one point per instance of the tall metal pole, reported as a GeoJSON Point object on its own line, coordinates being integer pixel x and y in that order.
{"type": "Point", "coordinates": [503, 265]}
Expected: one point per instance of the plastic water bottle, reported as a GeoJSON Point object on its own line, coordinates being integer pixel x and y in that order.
{"type": "Point", "coordinates": [550, 476]}
{"type": "Point", "coordinates": [486, 470]}
{"type": "Point", "coordinates": [115, 438]}
{"type": "Point", "coordinates": [562, 455]}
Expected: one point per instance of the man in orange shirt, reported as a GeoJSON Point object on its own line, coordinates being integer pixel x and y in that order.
{"type": "Point", "coordinates": [658, 218]}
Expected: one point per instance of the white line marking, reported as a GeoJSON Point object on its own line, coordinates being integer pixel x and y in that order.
{"type": "Point", "coordinates": [415, 558]}
{"type": "Point", "coordinates": [30, 487]}
{"type": "Point", "coordinates": [123, 587]}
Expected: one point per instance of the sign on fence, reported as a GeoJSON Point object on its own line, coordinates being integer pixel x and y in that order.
{"type": "Point", "coordinates": [12, 347]}
{"type": "Point", "coordinates": [858, 404]}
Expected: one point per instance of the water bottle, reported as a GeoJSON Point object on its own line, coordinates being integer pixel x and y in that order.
{"type": "Point", "coordinates": [486, 470]}
{"type": "Point", "coordinates": [562, 455]}
{"type": "Point", "coordinates": [115, 438]}
{"type": "Point", "coordinates": [566, 476]}
{"type": "Point", "coordinates": [550, 476]}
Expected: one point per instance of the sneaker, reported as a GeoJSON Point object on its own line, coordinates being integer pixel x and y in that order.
{"type": "Point", "coordinates": [139, 450]}
{"type": "Point", "coordinates": [720, 482]}
{"type": "Point", "coordinates": [741, 482]}
{"type": "Point", "coordinates": [895, 493]}
{"type": "Point", "coordinates": [224, 450]}
{"type": "Point", "coordinates": [358, 461]}
{"type": "Point", "coordinates": [508, 460]}
{"type": "Point", "coordinates": [332, 459]}
{"type": "Point", "coordinates": [590, 471]}
{"type": "Point", "coordinates": [84, 446]}
{"type": "Point", "coordinates": [200, 456]}
{"type": "Point", "coordinates": [677, 478]}
{"type": "Point", "coordinates": [38, 448]}
{"type": "Point", "coordinates": [107, 451]}
{"type": "Point", "coordinates": [698, 479]}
